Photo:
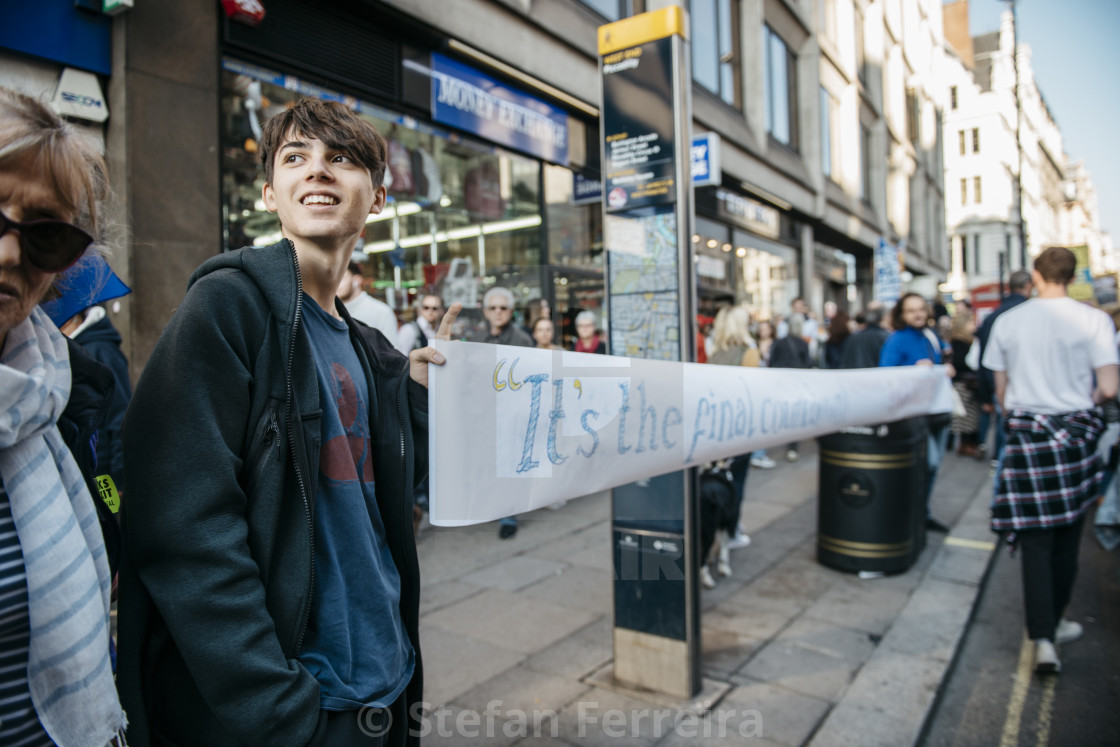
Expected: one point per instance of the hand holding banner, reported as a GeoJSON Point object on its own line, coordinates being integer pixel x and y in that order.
{"type": "Point", "coordinates": [515, 429]}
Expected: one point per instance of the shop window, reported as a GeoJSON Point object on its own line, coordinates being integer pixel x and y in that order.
{"type": "Point", "coordinates": [715, 59]}
{"type": "Point", "coordinates": [573, 273]}
{"type": "Point", "coordinates": [462, 216]}
{"type": "Point", "coordinates": [781, 89]}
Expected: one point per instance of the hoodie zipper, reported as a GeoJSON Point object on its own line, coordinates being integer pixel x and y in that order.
{"type": "Point", "coordinates": [292, 445]}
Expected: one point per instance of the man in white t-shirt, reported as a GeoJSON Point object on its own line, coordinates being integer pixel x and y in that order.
{"type": "Point", "coordinates": [364, 307]}
{"type": "Point", "coordinates": [1045, 354]}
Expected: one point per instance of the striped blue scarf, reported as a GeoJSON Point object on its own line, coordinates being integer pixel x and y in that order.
{"type": "Point", "coordinates": [68, 580]}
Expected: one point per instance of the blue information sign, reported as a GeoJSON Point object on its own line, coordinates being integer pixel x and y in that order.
{"type": "Point", "coordinates": [470, 100]}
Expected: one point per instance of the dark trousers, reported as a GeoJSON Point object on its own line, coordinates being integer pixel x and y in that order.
{"type": "Point", "coordinates": [368, 727]}
{"type": "Point", "coordinates": [740, 466]}
{"type": "Point", "coordinates": [1049, 569]}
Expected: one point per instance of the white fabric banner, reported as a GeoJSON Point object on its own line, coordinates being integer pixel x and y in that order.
{"type": "Point", "coordinates": [515, 429]}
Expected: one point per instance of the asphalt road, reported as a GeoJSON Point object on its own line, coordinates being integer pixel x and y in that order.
{"type": "Point", "coordinates": [992, 697]}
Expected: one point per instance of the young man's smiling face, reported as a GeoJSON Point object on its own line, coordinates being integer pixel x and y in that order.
{"type": "Point", "coordinates": [321, 194]}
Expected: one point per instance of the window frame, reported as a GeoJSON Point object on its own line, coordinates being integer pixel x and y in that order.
{"type": "Point", "coordinates": [769, 36]}
{"type": "Point", "coordinates": [728, 68]}
{"type": "Point", "coordinates": [625, 8]}
{"type": "Point", "coordinates": [865, 162]}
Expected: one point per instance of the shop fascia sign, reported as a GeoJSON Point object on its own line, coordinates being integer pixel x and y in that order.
{"type": "Point", "coordinates": [78, 95]}
{"type": "Point", "coordinates": [473, 101]}
{"type": "Point", "coordinates": [748, 213]}
{"type": "Point", "coordinates": [705, 167]}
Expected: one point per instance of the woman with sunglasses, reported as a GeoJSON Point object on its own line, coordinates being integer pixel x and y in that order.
{"type": "Point", "coordinates": [54, 574]}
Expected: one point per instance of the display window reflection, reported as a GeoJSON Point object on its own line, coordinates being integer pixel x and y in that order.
{"type": "Point", "coordinates": [462, 216]}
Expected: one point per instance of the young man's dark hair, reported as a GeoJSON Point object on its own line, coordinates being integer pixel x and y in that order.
{"type": "Point", "coordinates": [333, 123]}
{"type": "Point", "coordinates": [1056, 265]}
{"type": "Point", "coordinates": [269, 585]}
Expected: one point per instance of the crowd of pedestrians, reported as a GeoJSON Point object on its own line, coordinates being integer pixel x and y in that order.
{"type": "Point", "coordinates": [274, 445]}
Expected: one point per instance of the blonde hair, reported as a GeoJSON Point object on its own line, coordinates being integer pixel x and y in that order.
{"type": "Point", "coordinates": [70, 163]}
{"type": "Point", "coordinates": [731, 328]}
{"type": "Point", "coordinates": [958, 329]}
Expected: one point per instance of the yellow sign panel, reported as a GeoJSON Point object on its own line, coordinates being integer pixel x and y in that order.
{"type": "Point", "coordinates": [642, 28]}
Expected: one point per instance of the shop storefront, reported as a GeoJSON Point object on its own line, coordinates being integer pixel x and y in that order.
{"type": "Point", "coordinates": [759, 244]}
{"type": "Point", "coordinates": [481, 183]}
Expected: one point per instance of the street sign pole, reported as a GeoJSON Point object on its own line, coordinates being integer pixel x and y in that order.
{"type": "Point", "coordinates": [646, 118]}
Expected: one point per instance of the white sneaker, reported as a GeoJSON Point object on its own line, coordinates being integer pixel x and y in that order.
{"type": "Point", "coordinates": [724, 568]}
{"type": "Point", "coordinates": [706, 577]}
{"type": "Point", "coordinates": [763, 462]}
{"type": "Point", "coordinates": [1046, 657]}
{"type": "Point", "coordinates": [791, 456]}
{"type": "Point", "coordinates": [739, 541]}
{"type": "Point", "coordinates": [1067, 631]}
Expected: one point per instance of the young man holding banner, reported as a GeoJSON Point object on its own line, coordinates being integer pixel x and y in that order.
{"type": "Point", "coordinates": [269, 585]}
{"type": "Point", "coordinates": [1045, 354]}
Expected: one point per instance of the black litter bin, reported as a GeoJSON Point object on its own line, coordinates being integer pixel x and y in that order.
{"type": "Point", "coordinates": [871, 510]}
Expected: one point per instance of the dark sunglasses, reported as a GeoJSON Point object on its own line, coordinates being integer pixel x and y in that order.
{"type": "Point", "coordinates": [50, 245]}
{"type": "Point", "coordinates": [498, 308]}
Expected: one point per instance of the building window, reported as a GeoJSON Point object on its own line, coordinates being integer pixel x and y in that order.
{"type": "Point", "coordinates": [861, 58]}
{"type": "Point", "coordinates": [827, 10]}
{"type": "Point", "coordinates": [976, 252]}
{"type": "Point", "coordinates": [953, 98]}
{"type": "Point", "coordinates": [976, 189]}
{"type": "Point", "coordinates": [715, 63]}
{"type": "Point", "coordinates": [781, 89]}
{"type": "Point", "coordinates": [612, 10]}
{"type": "Point", "coordinates": [864, 162]}
{"type": "Point", "coordinates": [975, 139]}
{"type": "Point", "coordinates": [830, 131]}
{"type": "Point", "coordinates": [961, 134]}
{"type": "Point", "coordinates": [964, 191]}
{"type": "Point", "coordinates": [913, 114]}
{"type": "Point", "coordinates": [964, 254]}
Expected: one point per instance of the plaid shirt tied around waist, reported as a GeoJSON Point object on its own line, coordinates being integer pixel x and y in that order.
{"type": "Point", "coordinates": [1050, 472]}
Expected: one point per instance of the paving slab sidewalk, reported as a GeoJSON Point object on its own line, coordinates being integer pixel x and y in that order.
{"type": "Point", "coordinates": [516, 634]}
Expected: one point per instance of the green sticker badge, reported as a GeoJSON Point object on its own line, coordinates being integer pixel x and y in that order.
{"type": "Point", "coordinates": [108, 491]}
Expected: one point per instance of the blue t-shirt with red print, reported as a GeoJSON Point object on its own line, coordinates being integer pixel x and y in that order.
{"type": "Point", "coordinates": [355, 645]}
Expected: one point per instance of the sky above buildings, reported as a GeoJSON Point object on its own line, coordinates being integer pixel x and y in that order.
{"type": "Point", "coordinates": [1076, 64]}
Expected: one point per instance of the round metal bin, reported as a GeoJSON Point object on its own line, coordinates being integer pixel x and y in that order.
{"type": "Point", "coordinates": [871, 507]}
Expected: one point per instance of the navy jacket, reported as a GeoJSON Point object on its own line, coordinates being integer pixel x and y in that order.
{"type": "Point", "coordinates": [103, 343]}
{"type": "Point", "coordinates": [221, 452]}
{"type": "Point", "coordinates": [986, 382]}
